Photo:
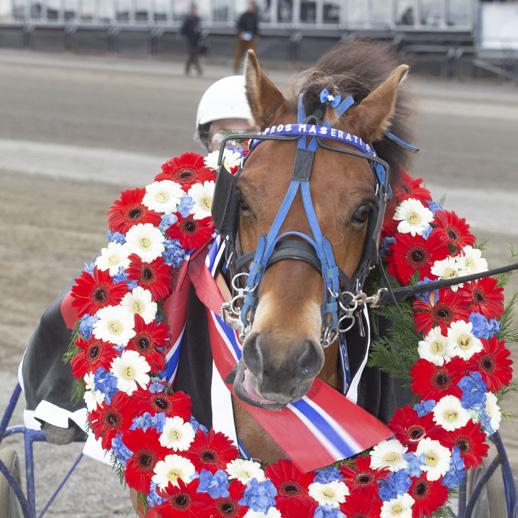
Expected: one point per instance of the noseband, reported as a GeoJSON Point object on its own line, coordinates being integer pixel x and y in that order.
{"type": "Point", "coordinates": [340, 297]}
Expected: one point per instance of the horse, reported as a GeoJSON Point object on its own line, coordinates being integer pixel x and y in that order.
{"type": "Point", "coordinates": [282, 354]}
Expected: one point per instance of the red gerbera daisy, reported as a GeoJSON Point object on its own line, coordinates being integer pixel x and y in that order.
{"type": "Point", "coordinates": [155, 276]}
{"type": "Point", "coordinates": [171, 404]}
{"type": "Point", "coordinates": [93, 292]}
{"type": "Point", "coordinates": [439, 311]}
{"type": "Point", "coordinates": [186, 169]}
{"type": "Point", "coordinates": [432, 382]}
{"type": "Point", "coordinates": [288, 479]}
{"type": "Point", "coordinates": [356, 505]}
{"type": "Point", "coordinates": [409, 427]}
{"type": "Point", "coordinates": [94, 354]}
{"type": "Point", "coordinates": [147, 451]}
{"type": "Point", "coordinates": [148, 339]}
{"type": "Point", "coordinates": [109, 420]}
{"type": "Point", "coordinates": [296, 507]}
{"type": "Point", "coordinates": [470, 440]}
{"type": "Point", "coordinates": [484, 296]}
{"type": "Point", "coordinates": [494, 364]}
{"type": "Point", "coordinates": [129, 210]}
{"type": "Point", "coordinates": [428, 496]}
{"type": "Point", "coordinates": [360, 476]}
{"type": "Point", "coordinates": [409, 187]}
{"type": "Point", "coordinates": [453, 229]}
{"type": "Point", "coordinates": [182, 500]}
{"type": "Point", "coordinates": [211, 451]}
{"type": "Point", "coordinates": [415, 254]}
{"type": "Point", "coordinates": [192, 233]}
{"type": "Point", "coordinates": [227, 507]}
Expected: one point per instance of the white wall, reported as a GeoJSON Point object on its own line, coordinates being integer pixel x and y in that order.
{"type": "Point", "coordinates": [5, 9]}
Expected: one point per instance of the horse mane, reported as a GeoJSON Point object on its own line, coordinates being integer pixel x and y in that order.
{"type": "Point", "coordinates": [356, 68]}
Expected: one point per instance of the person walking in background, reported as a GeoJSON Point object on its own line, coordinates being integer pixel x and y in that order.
{"type": "Point", "coordinates": [191, 31]}
{"type": "Point", "coordinates": [247, 31]}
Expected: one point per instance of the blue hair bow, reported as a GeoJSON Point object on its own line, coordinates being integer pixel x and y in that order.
{"type": "Point", "coordinates": [326, 97]}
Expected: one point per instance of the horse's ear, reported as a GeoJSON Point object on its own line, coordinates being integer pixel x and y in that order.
{"type": "Point", "coordinates": [263, 96]}
{"type": "Point", "coordinates": [374, 114]}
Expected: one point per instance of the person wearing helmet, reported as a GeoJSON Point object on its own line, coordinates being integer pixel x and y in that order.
{"type": "Point", "coordinates": [223, 110]}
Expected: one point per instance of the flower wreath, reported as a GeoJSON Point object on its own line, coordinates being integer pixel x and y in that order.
{"type": "Point", "coordinates": [456, 360]}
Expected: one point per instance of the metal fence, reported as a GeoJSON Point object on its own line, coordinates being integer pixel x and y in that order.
{"type": "Point", "coordinates": [400, 15]}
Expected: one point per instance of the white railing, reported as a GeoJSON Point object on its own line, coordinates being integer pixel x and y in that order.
{"type": "Point", "coordinates": [402, 15]}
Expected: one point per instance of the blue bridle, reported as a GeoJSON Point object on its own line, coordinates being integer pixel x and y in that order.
{"type": "Point", "coordinates": [314, 248]}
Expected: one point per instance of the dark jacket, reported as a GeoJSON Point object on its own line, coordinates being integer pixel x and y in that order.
{"type": "Point", "coordinates": [248, 22]}
{"type": "Point", "coordinates": [191, 28]}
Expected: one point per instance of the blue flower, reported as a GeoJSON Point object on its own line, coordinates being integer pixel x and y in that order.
{"type": "Point", "coordinates": [384, 249]}
{"type": "Point", "coordinates": [485, 419]}
{"type": "Point", "coordinates": [174, 254]}
{"type": "Point", "coordinates": [167, 221]}
{"type": "Point", "coordinates": [427, 231]}
{"type": "Point", "coordinates": [424, 407]}
{"type": "Point", "coordinates": [89, 268]}
{"type": "Point", "coordinates": [396, 483]}
{"type": "Point", "coordinates": [456, 472]}
{"type": "Point", "coordinates": [414, 464]}
{"type": "Point", "coordinates": [116, 237]}
{"type": "Point", "coordinates": [426, 296]}
{"type": "Point", "coordinates": [474, 390]}
{"type": "Point", "coordinates": [326, 475]}
{"type": "Point", "coordinates": [156, 385]}
{"type": "Point", "coordinates": [154, 498]}
{"type": "Point", "coordinates": [482, 327]}
{"type": "Point", "coordinates": [106, 383]}
{"type": "Point", "coordinates": [121, 276]}
{"type": "Point", "coordinates": [86, 325]}
{"type": "Point", "coordinates": [326, 97]}
{"type": "Point", "coordinates": [185, 206]}
{"type": "Point", "coordinates": [120, 450]}
{"type": "Point", "coordinates": [215, 484]}
{"type": "Point", "coordinates": [324, 511]}
{"type": "Point", "coordinates": [434, 207]}
{"type": "Point", "coordinates": [198, 426]}
{"type": "Point", "coordinates": [147, 420]}
{"type": "Point", "coordinates": [259, 496]}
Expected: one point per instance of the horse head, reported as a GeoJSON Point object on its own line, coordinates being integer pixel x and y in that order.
{"type": "Point", "coordinates": [283, 353]}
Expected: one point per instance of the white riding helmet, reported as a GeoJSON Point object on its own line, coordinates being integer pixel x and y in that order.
{"type": "Point", "coordinates": [224, 99]}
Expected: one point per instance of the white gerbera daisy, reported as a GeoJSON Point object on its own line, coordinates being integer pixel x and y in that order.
{"type": "Point", "coordinates": [92, 397]}
{"type": "Point", "coordinates": [400, 507]}
{"type": "Point", "coordinates": [171, 469]}
{"type": "Point", "coordinates": [115, 325]}
{"type": "Point", "coordinates": [414, 218]}
{"type": "Point", "coordinates": [113, 257]}
{"type": "Point", "coordinates": [163, 196]}
{"type": "Point", "coordinates": [450, 414]}
{"type": "Point", "coordinates": [146, 241]}
{"type": "Point", "coordinates": [331, 494]}
{"type": "Point", "coordinates": [462, 341]}
{"type": "Point", "coordinates": [448, 268]}
{"type": "Point", "coordinates": [140, 302]}
{"type": "Point", "coordinates": [435, 347]}
{"type": "Point", "coordinates": [273, 512]}
{"type": "Point", "coordinates": [177, 434]}
{"type": "Point", "coordinates": [493, 411]}
{"type": "Point", "coordinates": [202, 195]}
{"type": "Point", "coordinates": [388, 454]}
{"type": "Point", "coordinates": [471, 261]}
{"type": "Point", "coordinates": [436, 458]}
{"type": "Point", "coordinates": [245, 470]}
{"type": "Point", "coordinates": [130, 369]}
{"type": "Point", "coordinates": [230, 159]}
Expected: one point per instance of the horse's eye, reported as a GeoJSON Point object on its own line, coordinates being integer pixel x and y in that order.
{"type": "Point", "coordinates": [243, 205]}
{"type": "Point", "coordinates": [361, 214]}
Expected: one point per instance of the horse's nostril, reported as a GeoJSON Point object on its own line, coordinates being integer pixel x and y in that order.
{"type": "Point", "coordinates": [311, 360]}
{"type": "Point", "coordinates": [252, 355]}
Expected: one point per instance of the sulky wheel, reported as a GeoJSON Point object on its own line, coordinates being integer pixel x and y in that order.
{"type": "Point", "coordinates": [9, 506]}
